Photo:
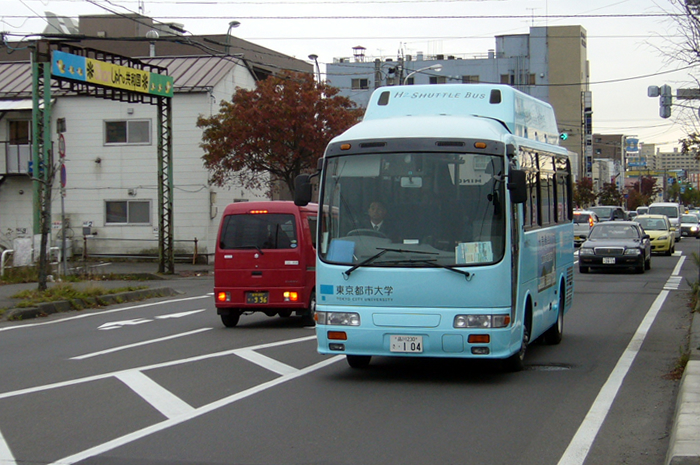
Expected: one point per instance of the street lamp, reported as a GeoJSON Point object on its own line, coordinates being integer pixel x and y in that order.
{"type": "Point", "coordinates": [437, 68]}
{"type": "Point", "coordinates": [231, 25]}
{"type": "Point", "coordinates": [313, 57]}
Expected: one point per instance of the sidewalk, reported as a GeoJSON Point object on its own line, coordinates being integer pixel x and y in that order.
{"type": "Point", "coordinates": [684, 445]}
{"type": "Point", "coordinates": [108, 275]}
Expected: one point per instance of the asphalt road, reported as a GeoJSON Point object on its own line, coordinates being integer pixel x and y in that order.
{"type": "Point", "coordinates": [164, 382]}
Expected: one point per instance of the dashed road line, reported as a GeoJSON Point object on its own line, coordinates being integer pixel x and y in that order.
{"type": "Point", "coordinates": [160, 398]}
{"type": "Point", "coordinates": [6, 457]}
{"type": "Point", "coordinates": [138, 344]}
{"type": "Point", "coordinates": [266, 362]}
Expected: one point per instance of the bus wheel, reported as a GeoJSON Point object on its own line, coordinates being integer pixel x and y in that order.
{"type": "Point", "coordinates": [285, 313]}
{"type": "Point", "coordinates": [359, 361]}
{"type": "Point", "coordinates": [231, 320]}
{"type": "Point", "coordinates": [554, 334]}
{"type": "Point", "coordinates": [516, 362]}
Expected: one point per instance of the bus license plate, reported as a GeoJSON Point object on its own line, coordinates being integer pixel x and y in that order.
{"type": "Point", "coordinates": [412, 344]}
{"type": "Point", "coordinates": [608, 260]}
{"type": "Point", "coordinates": [256, 297]}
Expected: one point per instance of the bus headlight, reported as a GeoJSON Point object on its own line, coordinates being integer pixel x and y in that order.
{"type": "Point", "coordinates": [481, 321]}
{"type": "Point", "coordinates": [338, 318]}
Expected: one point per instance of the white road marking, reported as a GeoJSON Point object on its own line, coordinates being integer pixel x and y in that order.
{"type": "Point", "coordinates": [101, 312]}
{"type": "Point", "coordinates": [160, 398]}
{"type": "Point", "coordinates": [142, 433]}
{"type": "Point", "coordinates": [6, 457]}
{"type": "Point", "coordinates": [180, 315]}
{"type": "Point", "coordinates": [266, 362]}
{"type": "Point", "coordinates": [137, 344]}
{"type": "Point", "coordinates": [196, 358]}
{"type": "Point", "coordinates": [121, 324]}
{"type": "Point", "coordinates": [580, 445]}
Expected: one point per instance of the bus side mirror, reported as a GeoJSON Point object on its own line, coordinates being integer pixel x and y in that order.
{"type": "Point", "coordinates": [302, 190]}
{"type": "Point", "coordinates": [517, 185]}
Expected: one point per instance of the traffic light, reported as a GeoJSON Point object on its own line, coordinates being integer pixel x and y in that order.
{"type": "Point", "coordinates": [563, 136]}
{"type": "Point", "coordinates": [665, 100]}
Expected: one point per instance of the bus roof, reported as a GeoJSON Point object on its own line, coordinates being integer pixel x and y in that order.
{"type": "Point", "coordinates": [523, 115]}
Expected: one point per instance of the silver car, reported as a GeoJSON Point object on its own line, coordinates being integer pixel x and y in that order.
{"type": "Point", "coordinates": [584, 220]}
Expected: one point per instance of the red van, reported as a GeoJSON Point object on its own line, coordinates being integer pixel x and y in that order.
{"type": "Point", "coordinates": [266, 260]}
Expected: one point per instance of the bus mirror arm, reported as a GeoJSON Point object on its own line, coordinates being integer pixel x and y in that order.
{"type": "Point", "coordinates": [302, 189]}
{"type": "Point", "coordinates": [517, 185]}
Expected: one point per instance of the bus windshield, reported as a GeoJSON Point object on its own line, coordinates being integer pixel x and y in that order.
{"type": "Point", "coordinates": [413, 210]}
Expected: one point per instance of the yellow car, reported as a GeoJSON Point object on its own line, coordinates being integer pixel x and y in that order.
{"type": "Point", "coordinates": [661, 232]}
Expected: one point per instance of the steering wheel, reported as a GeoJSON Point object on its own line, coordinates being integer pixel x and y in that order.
{"type": "Point", "coordinates": [366, 232]}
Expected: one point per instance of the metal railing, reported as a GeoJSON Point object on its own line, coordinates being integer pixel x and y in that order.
{"type": "Point", "coordinates": [91, 249]}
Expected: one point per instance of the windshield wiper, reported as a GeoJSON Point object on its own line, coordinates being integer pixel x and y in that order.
{"type": "Point", "coordinates": [467, 275]}
{"type": "Point", "coordinates": [381, 252]}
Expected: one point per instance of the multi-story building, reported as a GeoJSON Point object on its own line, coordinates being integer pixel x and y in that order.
{"type": "Point", "coordinates": [111, 171]}
{"type": "Point", "coordinates": [549, 63]}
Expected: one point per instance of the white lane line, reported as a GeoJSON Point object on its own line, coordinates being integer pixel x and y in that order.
{"type": "Point", "coordinates": [160, 398]}
{"type": "Point", "coordinates": [6, 457]}
{"type": "Point", "coordinates": [266, 362]}
{"type": "Point", "coordinates": [142, 433]}
{"type": "Point", "coordinates": [179, 315]}
{"type": "Point", "coordinates": [196, 358]}
{"type": "Point", "coordinates": [580, 445]}
{"type": "Point", "coordinates": [102, 312]}
{"type": "Point", "coordinates": [138, 344]}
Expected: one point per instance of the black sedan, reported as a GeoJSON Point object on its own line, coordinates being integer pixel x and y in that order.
{"type": "Point", "coordinates": [619, 244]}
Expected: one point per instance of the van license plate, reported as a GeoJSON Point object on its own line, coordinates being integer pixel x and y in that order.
{"type": "Point", "coordinates": [256, 297]}
{"type": "Point", "coordinates": [608, 260]}
{"type": "Point", "coordinates": [412, 344]}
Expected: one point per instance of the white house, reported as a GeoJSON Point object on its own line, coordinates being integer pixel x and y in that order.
{"type": "Point", "coordinates": [111, 161]}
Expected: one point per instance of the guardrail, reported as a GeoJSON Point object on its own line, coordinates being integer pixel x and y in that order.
{"type": "Point", "coordinates": [9, 252]}
{"type": "Point", "coordinates": [93, 241]}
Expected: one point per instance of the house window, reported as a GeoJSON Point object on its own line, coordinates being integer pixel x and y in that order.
{"type": "Point", "coordinates": [438, 79]}
{"type": "Point", "coordinates": [137, 132]}
{"type": "Point", "coordinates": [470, 79]}
{"type": "Point", "coordinates": [18, 153]}
{"type": "Point", "coordinates": [507, 79]}
{"type": "Point", "coordinates": [360, 84]}
{"type": "Point", "coordinates": [128, 212]}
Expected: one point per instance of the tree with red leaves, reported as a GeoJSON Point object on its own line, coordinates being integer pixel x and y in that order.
{"type": "Point", "coordinates": [280, 128]}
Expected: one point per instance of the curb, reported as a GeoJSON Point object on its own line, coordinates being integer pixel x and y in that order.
{"type": "Point", "coordinates": [684, 445]}
{"type": "Point", "coordinates": [49, 308]}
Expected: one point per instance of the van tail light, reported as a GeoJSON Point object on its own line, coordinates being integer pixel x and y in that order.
{"type": "Point", "coordinates": [223, 297]}
{"type": "Point", "coordinates": [590, 222]}
{"type": "Point", "coordinates": [291, 296]}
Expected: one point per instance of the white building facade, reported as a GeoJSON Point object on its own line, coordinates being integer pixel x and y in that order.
{"type": "Point", "coordinates": [111, 165]}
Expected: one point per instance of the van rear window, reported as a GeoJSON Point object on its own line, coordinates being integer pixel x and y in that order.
{"type": "Point", "coordinates": [259, 231]}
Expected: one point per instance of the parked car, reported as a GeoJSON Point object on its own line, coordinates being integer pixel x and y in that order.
{"type": "Point", "coordinates": [616, 244]}
{"type": "Point", "coordinates": [690, 226]}
{"type": "Point", "coordinates": [670, 209]}
{"type": "Point", "coordinates": [266, 260]}
{"type": "Point", "coordinates": [583, 222]}
{"type": "Point", "coordinates": [660, 231]}
{"type": "Point", "coordinates": [609, 213]}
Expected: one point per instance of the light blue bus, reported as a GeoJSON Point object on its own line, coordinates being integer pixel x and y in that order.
{"type": "Point", "coordinates": [474, 258]}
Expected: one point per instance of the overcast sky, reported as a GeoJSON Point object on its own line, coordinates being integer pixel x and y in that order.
{"type": "Point", "coordinates": [628, 48]}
